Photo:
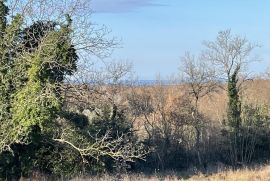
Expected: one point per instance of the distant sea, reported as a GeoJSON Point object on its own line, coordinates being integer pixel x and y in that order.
{"type": "Point", "coordinates": [133, 82]}
{"type": "Point", "coordinates": [151, 82]}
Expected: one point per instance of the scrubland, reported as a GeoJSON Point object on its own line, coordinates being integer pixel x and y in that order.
{"type": "Point", "coordinates": [259, 173]}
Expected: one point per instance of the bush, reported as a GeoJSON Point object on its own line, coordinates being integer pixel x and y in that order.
{"type": "Point", "coordinates": [251, 141]}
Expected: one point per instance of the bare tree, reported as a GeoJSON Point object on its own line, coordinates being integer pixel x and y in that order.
{"type": "Point", "coordinates": [201, 81]}
{"type": "Point", "coordinates": [198, 75]}
{"type": "Point", "coordinates": [230, 55]}
{"type": "Point", "coordinates": [165, 120]}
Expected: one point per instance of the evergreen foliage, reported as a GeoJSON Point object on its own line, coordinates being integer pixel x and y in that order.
{"type": "Point", "coordinates": [234, 105]}
{"type": "Point", "coordinates": [36, 133]}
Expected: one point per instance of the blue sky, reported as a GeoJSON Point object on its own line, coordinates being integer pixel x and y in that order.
{"type": "Point", "coordinates": [156, 33]}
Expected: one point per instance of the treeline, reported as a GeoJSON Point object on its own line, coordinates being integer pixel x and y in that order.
{"type": "Point", "coordinates": [55, 121]}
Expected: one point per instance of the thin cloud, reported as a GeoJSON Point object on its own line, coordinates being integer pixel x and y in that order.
{"type": "Point", "coordinates": [120, 6]}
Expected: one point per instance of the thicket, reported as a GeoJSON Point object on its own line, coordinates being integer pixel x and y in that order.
{"type": "Point", "coordinates": [65, 128]}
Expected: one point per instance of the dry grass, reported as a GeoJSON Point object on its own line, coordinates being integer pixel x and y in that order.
{"type": "Point", "coordinates": [259, 174]}
{"type": "Point", "coordinates": [238, 175]}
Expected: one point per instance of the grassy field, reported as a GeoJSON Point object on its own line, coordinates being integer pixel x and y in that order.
{"type": "Point", "coordinates": [238, 175]}
{"type": "Point", "coordinates": [258, 174]}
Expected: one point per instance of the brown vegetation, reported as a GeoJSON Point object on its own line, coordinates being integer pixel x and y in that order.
{"type": "Point", "coordinates": [256, 174]}
{"type": "Point", "coordinates": [213, 105]}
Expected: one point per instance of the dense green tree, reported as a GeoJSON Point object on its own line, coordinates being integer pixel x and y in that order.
{"type": "Point", "coordinates": [32, 70]}
{"type": "Point", "coordinates": [3, 17]}
{"type": "Point", "coordinates": [6, 41]}
{"type": "Point", "coordinates": [35, 131]}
